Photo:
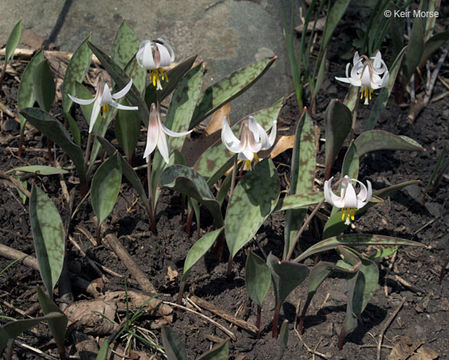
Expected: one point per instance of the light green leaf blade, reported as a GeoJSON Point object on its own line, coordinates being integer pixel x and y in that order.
{"type": "Point", "coordinates": [44, 85]}
{"type": "Point", "coordinates": [126, 44]}
{"type": "Point", "coordinates": [374, 140]}
{"type": "Point", "coordinates": [218, 352]}
{"type": "Point", "coordinates": [333, 18]}
{"type": "Point", "coordinates": [198, 250]}
{"type": "Point", "coordinates": [252, 201]}
{"type": "Point", "coordinates": [105, 187]}
{"type": "Point", "coordinates": [103, 353]}
{"type": "Point", "coordinates": [433, 44]}
{"type": "Point", "coordinates": [415, 48]}
{"type": "Point", "coordinates": [228, 88]}
{"type": "Point", "coordinates": [40, 170]}
{"type": "Point", "coordinates": [283, 338]}
{"type": "Point", "coordinates": [299, 201]}
{"type": "Point", "coordinates": [174, 349]}
{"type": "Point", "coordinates": [13, 40]}
{"type": "Point", "coordinates": [49, 237]}
{"type": "Point", "coordinates": [258, 278]}
{"type": "Point", "coordinates": [127, 130]}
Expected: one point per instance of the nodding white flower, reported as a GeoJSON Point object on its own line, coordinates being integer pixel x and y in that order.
{"type": "Point", "coordinates": [348, 200]}
{"type": "Point", "coordinates": [253, 138]}
{"type": "Point", "coordinates": [103, 99]}
{"type": "Point", "coordinates": [154, 55]}
{"type": "Point", "coordinates": [366, 73]}
{"type": "Point", "coordinates": [156, 135]}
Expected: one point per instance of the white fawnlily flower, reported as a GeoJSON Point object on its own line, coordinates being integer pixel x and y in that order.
{"type": "Point", "coordinates": [253, 138]}
{"type": "Point", "coordinates": [103, 99]}
{"type": "Point", "coordinates": [154, 55]}
{"type": "Point", "coordinates": [366, 73]}
{"type": "Point", "coordinates": [348, 200]}
{"type": "Point", "coordinates": [156, 135]}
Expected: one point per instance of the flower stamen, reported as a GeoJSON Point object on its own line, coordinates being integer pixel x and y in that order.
{"type": "Point", "coordinates": [104, 110]}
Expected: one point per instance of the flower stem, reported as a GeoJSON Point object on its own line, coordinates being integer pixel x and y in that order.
{"type": "Point", "coordinates": [88, 147]}
{"type": "Point", "coordinates": [150, 198]}
{"type": "Point", "coordinates": [234, 174]}
{"type": "Point", "coordinates": [354, 118]}
{"type": "Point", "coordinates": [259, 315]}
{"type": "Point", "coordinates": [274, 333]}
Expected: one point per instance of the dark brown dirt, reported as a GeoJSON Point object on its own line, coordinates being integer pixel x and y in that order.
{"type": "Point", "coordinates": [409, 213]}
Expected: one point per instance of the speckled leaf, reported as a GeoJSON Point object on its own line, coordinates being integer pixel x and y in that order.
{"type": "Point", "coordinates": [258, 278]}
{"type": "Point", "coordinates": [182, 105]}
{"type": "Point", "coordinates": [11, 330]}
{"type": "Point", "coordinates": [49, 237]}
{"type": "Point", "coordinates": [174, 349]}
{"type": "Point", "coordinates": [44, 85]}
{"type": "Point", "coordinates": [13, 40]}
{"type": "Point", "coordinates": [138, 74]}
{"type": "Point", "coordinates": [252, 201]}
{"type": "Point", "coordinates": [174, 75]}
{"type": "Point", "coordinates": [338, 125]}
{"type": "Point", "coordinates": [373, 140]}
{"type": "Point", "coordinates": [121, 80]}
{"type": "Point", "coordinates": [198, 250]}
{"type": "Point", "coordinates": [354, 240]}
{"type": "Point", "coordinates": [228, 88]}
{"type": "Point", "coordinates": [298, 201]}
{"type": "Point", "coordinates": [213, 154]}
{"type": "Point", "coordinates": [105, 187]}
{"type": "Point", "coordinates": [303, 175]}
{"type": "Point", "coordinates": [126, 44]}
{"type": "Point", "coordinates": [39, 170]}
{"type": "Point", "coordinates": [128, 171]}
{"type": "Point", "coordinates": [187, 181]}
{"type": "Point", "coordinates": [218, 352]}
{"type": "Point", "coordinates": [56, 132]}
{"type": "Point", "coordinates": [25, 95]}
{"type": "Point", "coordinates": [127, 130]}
{"type": "Point", "coordinates": [57, 326]}
{"type": "Point", "coordinates": [286, 276]}
{"type": "Point", "coordinates": [75, 73]}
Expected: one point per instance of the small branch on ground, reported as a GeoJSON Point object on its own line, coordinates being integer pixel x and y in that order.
{"type": "Point", "coordinates": [387, 325]}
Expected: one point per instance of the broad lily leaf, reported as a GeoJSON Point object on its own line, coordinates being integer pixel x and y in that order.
{"type": "Point", "coordinates": [299, 201]}
{"type": "Point", "coordinates": [56, 132]}
{"type": "Point", "coordinates": [39, 170]}
{"type": "Point", "coordinates": [415, 48]}
{"type": "Point", "coordinates": [11, 330]}
{"type": "Point", "coordinates": [57, 326]}
{"type": "Point", "coordinates": [49, 237]}
{"type": "Point", "coordinates": [354, 240]}
{"type": "Point", "coordinates": [128, 171]}
{"type": "Point", "coordinates": [252, 201]}
{"type": "Point", "coordinates": [433, 44]}
{"type": "Point", "coordinates": [198, 250]}
{"type": "Point", "coordinates": [13, 40]}
{"type": "Point", "coordinates": [44, 85]}
{"type": "Point", "coordinates": [383, 140]}
{"type": "Point", "coordinates": [105, 187]}
{"type": "Point", "coordinates": [26, 96]}
{"type": "Point", "coordinates": [187, 181]}
{"type": "Point", "coordinates": [286, 276]}
{"type": "Point", "coordinates": [126, 44]}
{"type": "Point", "coordinates": [258, 278]}
{"type": "Point", "coordinates": [127, 130]}
{"type": "Point", "coordinates": [333, 18]}
{"type": "Point", "coordinates": [174, 349]}
{"type": "Point", "coordinates": [338, 125]}
{"type": "Point", "coordinates": [228, 88]}
{"type": "Point", "coordinates": [351, 162]}
{"type": "Point", "coordinates": [174, 75]}
{"type": "Point", "coordinates": [218, 352]}
{"type": "Point", "coordinates": [303, 175]}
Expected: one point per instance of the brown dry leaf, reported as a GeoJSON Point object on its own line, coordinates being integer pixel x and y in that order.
{"type": "Point", "coordinates": [284, 143]}
{"type": "Point", "coordinates": [321, 22]}
{"type": "Point", "coordinates": [406, 349]}
{"type": "Point", "coordinates": [31, 39]}
{"type": "Point", "coordinates": [172, 274]}
{"type": "Point", "coordinates": [215, 122]}
{"type": "Point", "coordinates": [425, 353]}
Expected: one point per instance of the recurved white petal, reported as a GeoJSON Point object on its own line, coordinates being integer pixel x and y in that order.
{"type": "Point", "coordinates": [229, 139]}
{"type": "Point", "coordinates": [153, 134]}
{"type": "Point", "coordinates": [81, 101]}
{"type": "Point", "coordinates": [144, 55]}
{"type": "Point", "coordinates": [163, 147]}
{"type": "Point", "coordinates": [94, 114]}
{"type": "Point", "coordinates": [174, 134]}
{"type": "Point", "coordinates": [123, 92]}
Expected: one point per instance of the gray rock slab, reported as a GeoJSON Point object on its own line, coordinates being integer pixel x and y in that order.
{"type": "Point", "coordinates": [226, 34]}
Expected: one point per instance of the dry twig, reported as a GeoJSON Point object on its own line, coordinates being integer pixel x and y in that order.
{"type": "Point", "coordinates": [387, 325]}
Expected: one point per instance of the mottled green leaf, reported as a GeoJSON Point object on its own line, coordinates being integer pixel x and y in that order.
{"type": "Point", "coordinates": [212, 155]}
{"type": "Point", "coordinates": [40, 170]}
{"type": "Point", "coordinates": [49, 237]}
{"type": "Point", "coordinates": [182, 105]}
{"type": "Point", "coordinates": [218, 352]}
{"type": "Point", "coordinates": [374, 140]}
{"type": "Point", "coordinates": [127, 130]}
{"type": "Point", "coordinates": [352, 97]}
{"type": "Point", "coordinates": [338, 125]}
{"type": "Point", "coordinates": [258, 278]}
{"type": "Point", "coordinates": [128, 171]}
{"type": "Point", "coordinates": [198, 250]}
{"type": "Point", "coordinates": [75, 73]}
{"type": "Point", "coordinates": [187, 181]}
{"type": "Point", "coordinates": [25, 96]}
{"type": "Point", "coordinates": [299, 201]}
{"type": "Point", "coordinates": [174, 349]}
{"type": "Point", "coordinates": [286, 276]}
{"type": "Point", "coordinates": [105, 187]}
{"type": "Point", "coordinates": [228, 88]}
{"type": "Point", "coordinates": [56, 132]}
{"type": "Point", "coordinates": [125, 45]}
{"type": "Point", "coordinates": [384, 253]}
{"type": "Point", "coordinates": [58, 326]}
{"type": "Point", "coordinates": [44, 85]}
{"type": "Point", "coordinates": [13, 40]}
{"type": "Point", "coordinates": [354, 240]}
{"type": "Point", "coordinates": [302, 176]}
{"type": "Point", "coordinates": [174, 76]}
{"type": "Point", "coordinates": [252, 201]}
{"type": "Point", "coordinates": [13, 329]}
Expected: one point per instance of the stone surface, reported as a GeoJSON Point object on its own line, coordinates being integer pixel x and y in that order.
{"type": "Point", "coordinates": [226, 34]}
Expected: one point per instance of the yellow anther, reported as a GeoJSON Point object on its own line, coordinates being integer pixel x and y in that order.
{"type": "Point", "coordinates": [248, 163]}
{"type": "Point", "coordinates": [256, 157]}
{"type": "Point", "coordinates": [104, 110]}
